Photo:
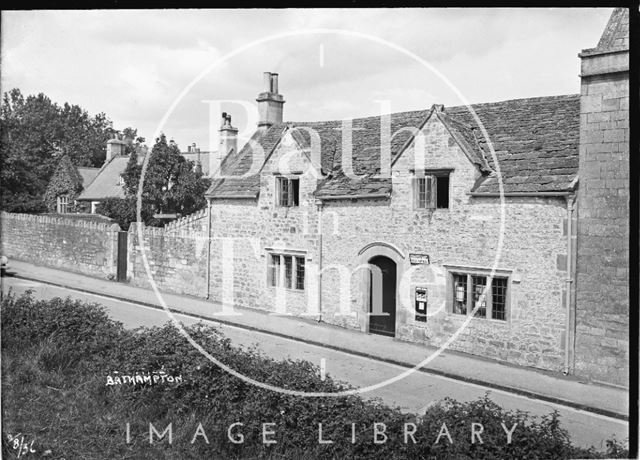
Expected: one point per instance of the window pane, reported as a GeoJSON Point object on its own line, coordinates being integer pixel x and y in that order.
{"type": "Point", "coordinates": [299, 272]}
{"type": "Point", "coordinates": [288, 271]}
{"type": "Point", "coordinates": [273, 270]}
{"type": "Point", "coordinates": [283, 185]}
{"type": "Point", "coordinates": [460, 294]}
{"type": "Point", "coordinates": [429, 192]}
{"type": "Point", "coordinates": [295, 192]}
{"type": "Point", "coordinates": [499, 299]}
{"type": "Point", "coordinates": [421, 201]}
{"type": "Point", "coordinates": [479, 283]}
{"type": "Point", "coordinates": [442, 193]}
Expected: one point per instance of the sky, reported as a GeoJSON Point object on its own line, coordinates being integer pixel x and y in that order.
{"type": "Point", "coordinates": [167, 70]}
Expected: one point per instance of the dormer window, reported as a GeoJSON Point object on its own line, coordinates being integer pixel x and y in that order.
{"type": "Point", "coordinates": [431, 189]}
{"type": "Point", "coordinates": [288, 191]}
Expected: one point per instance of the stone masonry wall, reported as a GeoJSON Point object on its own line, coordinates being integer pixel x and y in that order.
{"type": "Point", "coordinates": [70, 244]}
{"type": "Point", "coordinates": [176, 259]}
{"type": "Point", "coordinates": [602, 304]}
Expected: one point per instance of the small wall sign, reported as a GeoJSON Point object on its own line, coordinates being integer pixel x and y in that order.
{"type": "Point", "coordinates": [417, 259]}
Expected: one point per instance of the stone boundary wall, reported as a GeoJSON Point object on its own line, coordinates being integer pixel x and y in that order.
{"type": "Point", "coordinates": [194, 222]}
{"type": "Point", "coordinates": [71, 244]}
{"type": "Point", "coordinates": [177, 259]}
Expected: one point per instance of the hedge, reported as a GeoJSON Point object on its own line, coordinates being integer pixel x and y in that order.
{"type": "Point", "coordinates": [58, 353]}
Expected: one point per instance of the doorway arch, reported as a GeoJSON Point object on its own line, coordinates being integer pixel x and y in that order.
{"type": "Point", "coordinates": [372, 255]}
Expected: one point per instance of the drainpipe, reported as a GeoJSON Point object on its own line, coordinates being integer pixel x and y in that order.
{"type": "Point", "coordinates": [570, 203]}
{"type": "Point", "coordinates": [208, 248]}
{"type": "Point", "coordinates": [319, 204]}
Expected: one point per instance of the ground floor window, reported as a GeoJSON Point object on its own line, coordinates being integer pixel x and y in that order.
{"type": "Point", "coordinates": [63, 204]}
{"type": "Point", "coordinates": [286, 270]}
{"type": "Point", "coordinates": [470, 290]}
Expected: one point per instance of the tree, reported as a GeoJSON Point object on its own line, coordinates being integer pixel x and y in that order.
{"type": "Point", "coordinates": [171, 186]}
{"type": "Point", "coordinates": [123, 211]}
{"type": "Point", "coordinates": [35, 134]}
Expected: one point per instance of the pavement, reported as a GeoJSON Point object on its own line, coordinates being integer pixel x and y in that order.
{"type": "Point", "coordinates": [569, 391]}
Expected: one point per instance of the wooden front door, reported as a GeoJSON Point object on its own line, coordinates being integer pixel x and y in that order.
{"type": "Point", "coordinates": [382, 289]}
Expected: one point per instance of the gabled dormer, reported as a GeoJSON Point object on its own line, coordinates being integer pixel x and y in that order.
{"type": "Point", "coordinates": [292, 171]}
{"type": "Point", "coordinates": [438, 166]}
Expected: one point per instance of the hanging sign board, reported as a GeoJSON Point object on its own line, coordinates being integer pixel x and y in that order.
{"type": "Point", "coordinates": [419, 259]}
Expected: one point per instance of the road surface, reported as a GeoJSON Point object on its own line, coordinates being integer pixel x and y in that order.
{"type": "Point", "coordinates": [414, 393]}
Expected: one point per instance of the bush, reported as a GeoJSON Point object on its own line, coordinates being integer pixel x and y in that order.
{"type": "Point", "coordinates": [83, 331]}
{"type": "Point", "coordinates": [57, 354]}
{"type": "Point", "coordinates": [121, 210]}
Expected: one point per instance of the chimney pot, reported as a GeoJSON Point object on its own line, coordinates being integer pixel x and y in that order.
{"type": "Point", "coordinates": [228, 140]}
{"type": "Point", "coordinates": [267, 81]}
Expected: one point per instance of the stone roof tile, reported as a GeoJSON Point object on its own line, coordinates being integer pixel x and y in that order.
{"type": "Point", "coordinates": [535, 142]}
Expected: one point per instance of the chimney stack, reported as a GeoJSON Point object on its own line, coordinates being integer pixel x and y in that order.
{"type": "Point", "coordinates": [228, 140]}
{"type": "Point", "coordinates": [115, 147]}
{"type": "Point", "coordinates": [270, 103]}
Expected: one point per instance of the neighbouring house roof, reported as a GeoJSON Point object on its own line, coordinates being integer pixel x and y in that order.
{"type": "Point", "coordinates": [106, 183]}
{"type": "Point", "coordinates": [535, 142]}
{"type": "Point", "coordinates": [87, 174]}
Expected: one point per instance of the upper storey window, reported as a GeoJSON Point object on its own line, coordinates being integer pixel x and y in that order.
{"type": "Point", "coordinates": [288, 191]}
{"type": "Point", "coordinates": [431, 189]}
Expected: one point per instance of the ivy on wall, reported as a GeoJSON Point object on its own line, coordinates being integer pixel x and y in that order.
{"type": "Point", "coordinates": [66, 180]}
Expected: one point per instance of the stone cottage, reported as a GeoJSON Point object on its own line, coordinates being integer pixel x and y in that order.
{"type": "Point", "coordinates": [453, 226]}
{"type": "Point", "coordinates": [409, 252]}
{"type": "Point", "coordinates": [109, 182]}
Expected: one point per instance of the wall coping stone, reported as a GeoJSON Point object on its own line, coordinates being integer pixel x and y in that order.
{"type": "Point", "coordinates": [48, 219]}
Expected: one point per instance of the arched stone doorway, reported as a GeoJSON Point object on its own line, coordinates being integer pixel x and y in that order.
{"type": "Point", "coordinates": [387, 260]}
{"type": "Point", "coordinates": [382, 296]}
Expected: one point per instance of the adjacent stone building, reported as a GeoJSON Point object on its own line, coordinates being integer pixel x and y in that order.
{"type": "Point", "coordinates": [602, 313]}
